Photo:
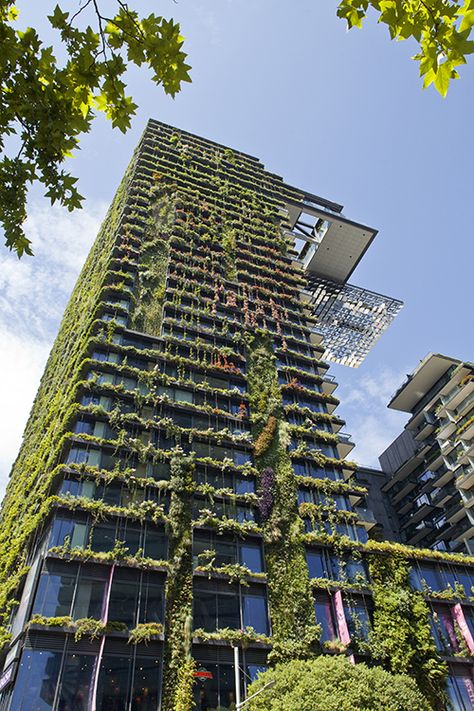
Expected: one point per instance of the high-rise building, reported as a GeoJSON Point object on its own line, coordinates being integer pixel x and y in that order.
{"type": "Point", "coordinates": [182, 490]}
{"type": "Point", "coordinates": [431, 463]}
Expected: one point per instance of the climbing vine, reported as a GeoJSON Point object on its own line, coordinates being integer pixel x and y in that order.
{"type": "Point", "coordinates": [178, 664]}
{"type": "Point", "coordinates": [401, 637]}
{"type": "Point", "coordinates": [294, 633]}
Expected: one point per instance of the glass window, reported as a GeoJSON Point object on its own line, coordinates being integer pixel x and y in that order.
{"type": "Point", "coordinates": [442, 626]}
{"type": "Point", "coordinates": [469, 615]}
{"type": "Point", "coordinates": [251, 556]}
{"type": "Point", "coordinates": [466, 579]}
{"type": "Point", "coordinates": [156, 544]}
{"type": "Point", "coordinates": [124, 598]}
{"type": "Point", "coordinates": [226, 552]}
{"type": "Point", "coordinates": [255, 613]}
{"type": "Point", "coordinates": [151, 599]}
{"type": "Point", "coordinates": [146, 684]}
{"type": "Point", "coordinates": [244, 485]}
{"type": "Point", "coordinates": [132, 538]}
{"type": "Point", "coordinates": [228, 611]}
{"type": "Point", "coordinates": [75, 683]}
{"type": "Point", "coordinates": [36, 681]}
{"type": "Point", "coordinates": [114, 682]}
{"type": "Point", "coordinates": [325, 617]}
{"type": "Point", "coordinates": [429, 575]}
{"type": "Point", "coordinates": [103, 537]}
{"type": "Point", "coordinates": [216, 692]}
{"type": "Point", "coordinates": [84, 427]}
{"type": "Point", "coordinates": [90, 594]}
{"type": "Point", "coordinates": [54, 594]}
{"type": "Point", "coordinates": [460, 689]}
{"type": "Point", "coordinates": [253, 670]}
{"type": "Point", "coordinates": [356, 571]}
{"type": "Point", "coordinates": [71, 487]}
{"type": "Point", "coordinates": [67, 530]}
{"type": "Point", "coordinates": [316, 564]}
{"type": "Point", "coordinates": [205, 610]}
{"type": "Point", "coordinates": [358, 620]}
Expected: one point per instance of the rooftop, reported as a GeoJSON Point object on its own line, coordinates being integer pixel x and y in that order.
{"type": "Point", "coordinates": [421, 381]}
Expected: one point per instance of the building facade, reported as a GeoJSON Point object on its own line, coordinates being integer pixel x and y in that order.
{"type": "Point", "coordinates": [183, 488]}
{"type": "Point", "coordinates": [431, 464]}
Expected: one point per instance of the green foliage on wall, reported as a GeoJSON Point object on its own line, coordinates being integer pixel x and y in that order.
{"type": "Point", "coordinates": [401, 638]}
{"type": "Point", "coordinates": [178, 666]}
{"type": "Point", "coordinates": [40, 452]}
{"type": "Point", "coordinates": [294, 633]}
{"type": "Point", "coordinates": [153, 264]}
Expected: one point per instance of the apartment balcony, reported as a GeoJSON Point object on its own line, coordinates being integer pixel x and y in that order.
{"type": "Point", "coordinates": [397, 481]}
{"type": "Point", "coordinates": [366, 517]}
{"type": "Point", "coordinates": [447, 426]}
{"type": "Point", "coordinates": [443, 476]}
{"type": "Point", "coordinates": [408, 485]}
{"type": "Point", "coordinates": [467, 422]}
{"type": "Point", "coordinates": [328, 384]}
{"type": "Point", "coordinates": [455, 396]}
{"type": "Point", "coordinates": [441, 496]}
{"type": "Point", "coordinates": [344, 445]}
{"type": "Point", "coordinates": [425, 427]}
{"type": "Point", "coordinates": [466, 452]}
{"type": "Point", "coordinates": [418, 533]}
{"type": "Point", "coordinates": [469, 399]}
{"type": "Point", "coordinates": [456, 511]}
{"type": "Point", "coordinates": [465, 528]}
{"type": "Point", "coordinates": [467, 498]}
{"type": "Point", "coordinates": [465, 476]}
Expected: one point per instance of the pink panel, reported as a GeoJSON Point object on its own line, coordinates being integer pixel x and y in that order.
{"type": "Point", "coordinates": [342, 627]}
{"type": "Point", "coordinates": [458, 616]}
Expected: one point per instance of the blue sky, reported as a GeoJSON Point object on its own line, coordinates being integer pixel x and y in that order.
{"type": "Point", "coordinates": [341, 114]}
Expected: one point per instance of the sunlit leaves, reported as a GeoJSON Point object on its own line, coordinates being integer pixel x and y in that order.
{"type": "Point", "coordinates": [47, 105]}
{"type": "Point", "coordinates": [441, 29]}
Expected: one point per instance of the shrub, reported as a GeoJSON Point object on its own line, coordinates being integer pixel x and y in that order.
{"type": "Point", "coordinates": [334, 684]}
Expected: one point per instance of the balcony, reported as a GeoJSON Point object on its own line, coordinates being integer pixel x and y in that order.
{"type": "Point", "coordinates": [417, 533]}
{"type": "Point", "coordinates": [461, 409]}
{"type": "Point", "coordinates": [344, 445]}
{"type": "Point", "coordinates": [466, 427]}
{"type": "Point", "coordinates": [465, 476]}
{"type": "Point", "coordinates": [456, 395]}
{"type": "Point", "coordinates": [467, 498]}
{"type": "Point", "coordinates": [447, 426]}
{"type": "Point", "coordinates": [365, 517]}
{"type": "Point", "coordinates": [328, 384]}
{"type": "Point", "coordinates": [425, 427]}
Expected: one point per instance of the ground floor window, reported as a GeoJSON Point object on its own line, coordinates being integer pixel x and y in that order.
{"type": "Point", "coordinates": [216, 690]}
{"type": "Point", "coordinates": [64, 681]}
{"type": "Point", "coordinates": [47, 681]}
{"type": "Point", "coordinates": [129, 684]}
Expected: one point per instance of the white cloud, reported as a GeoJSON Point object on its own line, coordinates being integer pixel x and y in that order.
{"type": "Point", "coordinates": [364, 407]}
{"type": "Point", "coordinates": [33, 294]}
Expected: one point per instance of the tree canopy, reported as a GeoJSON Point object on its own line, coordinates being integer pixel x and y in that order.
{"type": "Point", "coordinates": [441, 28]}
{"type": "Point", "coordinates": [48, 103]}
{"type": "Point", "coordinates": [334, 684]}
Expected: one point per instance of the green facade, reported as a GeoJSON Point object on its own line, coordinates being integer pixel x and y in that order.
{"type": "Point", "coordinates": [182, 455]}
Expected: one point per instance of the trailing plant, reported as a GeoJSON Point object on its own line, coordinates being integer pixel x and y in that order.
{"type": "Point", "coordinates": [242, 637]}
{"type": "Point", "coordinates": [145, 632]}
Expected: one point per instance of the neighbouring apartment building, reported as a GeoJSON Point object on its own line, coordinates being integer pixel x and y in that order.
{"type": "Point", "coordinates": [431, 463]}
{"type": "Point", "coordinates": [183, 487]}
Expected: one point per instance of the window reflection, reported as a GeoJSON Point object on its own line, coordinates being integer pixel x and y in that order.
{"type": "Point", "coordinates": [39, 676]}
